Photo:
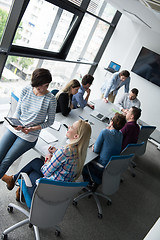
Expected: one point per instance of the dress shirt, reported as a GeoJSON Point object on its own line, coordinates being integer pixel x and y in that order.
{"type": "Point", "coordinates": [62, 166]}
{"type": "Point", "coordinates": [130, 133]}
{"type": "Point", "coordinates": [108, 143]}
{"type": "Point", "coordinates": [113, 84]}
{"type": "Point", "coordinates": [125, 103]}
{"type": "Point", "coordinates": [78, 100]}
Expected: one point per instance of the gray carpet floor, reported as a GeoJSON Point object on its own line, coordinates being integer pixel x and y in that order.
{"type": "Point", "coordinates": [134, 210]}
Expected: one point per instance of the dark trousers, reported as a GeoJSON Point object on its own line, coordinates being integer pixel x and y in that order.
{"type": "Point", "coordinates": [33, 170]}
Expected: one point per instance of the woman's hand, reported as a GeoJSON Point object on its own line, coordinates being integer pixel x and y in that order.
{"type": "Point", "coordinates": [48, 158]}
{"type": "Point", "coordinates": [52, 149]}
{"type": "Point", "coordinates": [27, 130]}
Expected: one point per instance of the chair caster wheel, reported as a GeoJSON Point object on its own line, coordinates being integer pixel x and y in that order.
{"type": "Point", "coordinates": [10, 209]}
{"type": "Point", "coordinates": [109, 203]}
{"type": "Point", "coordinates": [74, 203]}
{"type": "Point", "coordinates": [30, 225]}
{"type": "Point", "coordinates": [100, 215]}
{"type": "Point", "coordinates": [4, 236]}
{"type": "Point", "coordinates": [57, 233]}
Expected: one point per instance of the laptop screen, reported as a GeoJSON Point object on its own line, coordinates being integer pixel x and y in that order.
{"type": "Point", "coordinates": [114, 66]}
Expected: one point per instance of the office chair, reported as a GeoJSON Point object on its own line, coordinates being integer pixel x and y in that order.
{"type": "Point", "coordinates": [14, 101]}
{"type": "Point", "coordinates": [47, 206]}
{"type": "Point", "coordinates": [54, 91]}
{"type": "Point", "coordinates": [110, 181]}
{"type": "Point", "coordinates": [144, 135]}
{"type": "Point", "coordinates": [132, 148]}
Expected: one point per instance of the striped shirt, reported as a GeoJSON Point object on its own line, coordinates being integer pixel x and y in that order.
{"type": "Point", "coordinates": [34, 110]}
{"type": "Point", "coordinates": [62, 166]}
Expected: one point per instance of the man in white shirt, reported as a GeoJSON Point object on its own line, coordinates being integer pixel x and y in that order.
{"type": "Point", "coordinates": [129, 100]}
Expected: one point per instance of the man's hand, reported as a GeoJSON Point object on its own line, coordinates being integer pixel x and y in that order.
{"type": "Point", "coordinates": [88, 91]}
{"type": "Point", "coordinates": [91, 106]}
{"type": "Point", "coordinates": [93, 147]}
{"type": "Point", "coordinates": [124, 111]}
{"type": "Point", "coordinates": [105, 100]}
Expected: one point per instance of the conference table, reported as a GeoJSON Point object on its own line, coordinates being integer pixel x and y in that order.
{"type": "Point", "coordinates": [107, 109]}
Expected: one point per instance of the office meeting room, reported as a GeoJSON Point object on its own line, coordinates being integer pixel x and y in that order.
{"type": "Point", "coordinates": [79, 119]}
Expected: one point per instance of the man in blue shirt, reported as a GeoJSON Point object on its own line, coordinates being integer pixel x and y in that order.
{"type": "Point", "coordinates": [110, 88]}
{"type": "Point", "coordinates": [108, 143]}
{"type": "Point", "coordinates": [78, 100]}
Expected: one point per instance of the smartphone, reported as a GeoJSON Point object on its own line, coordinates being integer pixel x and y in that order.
{"type": "Point", "coordinates": [14, 122]}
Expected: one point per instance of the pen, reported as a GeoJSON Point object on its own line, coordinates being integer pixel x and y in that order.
{"type": "Point", "coordinates": [81, 117]}
{"type": "Point", "coordinates": [65, 125]}
{"type": "Point", "coordinates": [86, 120]}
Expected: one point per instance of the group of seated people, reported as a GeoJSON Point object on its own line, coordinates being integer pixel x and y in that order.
{"type": "Point", "coordinates": [36, 110]}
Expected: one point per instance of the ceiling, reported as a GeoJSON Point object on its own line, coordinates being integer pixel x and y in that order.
{"type": "Point", "coordinates": [146, 12]}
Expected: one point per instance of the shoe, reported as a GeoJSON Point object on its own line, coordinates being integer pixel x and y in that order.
{"type": "Point", "coordinates": [18, 195]}
{"type": "Point", "coordinates": [9, 180]}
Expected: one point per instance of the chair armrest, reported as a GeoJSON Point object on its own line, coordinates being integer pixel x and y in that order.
{"type": "Point", "coordinates": [26, 179]}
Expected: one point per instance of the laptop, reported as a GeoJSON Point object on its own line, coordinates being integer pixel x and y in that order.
{"type": "Point", "coordinates": [99, 116]}
{"type": "Point", "coordinates": [113, 67]}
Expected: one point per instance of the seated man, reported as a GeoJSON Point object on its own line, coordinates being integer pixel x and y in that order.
{"type": "Point", "coordinates": [131, 129]}
{"type": "Point", "coordinates": [78, 100]}
{"type": "Point", "coordinates": [108, 143]}
{"type": "Point", "coordinates": [129, 100]}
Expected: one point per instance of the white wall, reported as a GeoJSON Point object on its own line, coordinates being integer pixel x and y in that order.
{"type": "Point", "coordinates": [124, 47]}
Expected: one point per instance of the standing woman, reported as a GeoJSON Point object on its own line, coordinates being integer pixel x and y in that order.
{"type": "Point", "coordinates": [64, 97]}
{"type": "Point", "coordinates": [63, 164]}
{"type": "Point", "coordinates": [36, 110]}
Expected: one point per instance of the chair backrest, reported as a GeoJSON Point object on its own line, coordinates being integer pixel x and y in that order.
{"type": "Point", "coordinates": [50, 201]}
{"type": "Point", "coordinates": [144, 134]}
{"type": "Point", "coordinates": [14, 102]}
{"type": "Point", "coordinates": [113, 171]}
{"type": "Point", "coordinates": [54, 91]}
{"type": "Point", "coordinates": [134, 148]}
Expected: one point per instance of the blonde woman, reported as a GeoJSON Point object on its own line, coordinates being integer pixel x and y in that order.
{"type": "Point", "coordinates": [64, 97]}
{"type": "Point", "coordinates": [63, 164]}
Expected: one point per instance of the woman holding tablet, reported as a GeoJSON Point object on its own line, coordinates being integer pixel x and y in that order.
{"type": "Point", "coordinates": [36, 110]}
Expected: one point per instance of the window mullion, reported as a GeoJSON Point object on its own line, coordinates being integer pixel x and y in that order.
{"type": "Point", "coordinates": [17, 9]}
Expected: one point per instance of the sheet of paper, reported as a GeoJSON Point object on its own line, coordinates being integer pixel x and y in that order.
{"type": "Point", "coordinates": [56, 125]}
{"type": "Point", "coordinates": [47, 136]}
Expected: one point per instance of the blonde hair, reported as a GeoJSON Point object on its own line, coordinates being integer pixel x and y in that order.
{"type": "Point", "coordinates": [73, 83]}
{"type": "Point", "coordinates": [82, 142]}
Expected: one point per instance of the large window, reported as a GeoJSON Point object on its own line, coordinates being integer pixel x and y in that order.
{"type": "Point", "coordinates": [62, 37]}
{"type": "Point", "coordinates": [44, 26]}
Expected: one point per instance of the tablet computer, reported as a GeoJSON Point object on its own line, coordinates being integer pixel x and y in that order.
{"type": "Point", "coordinates": [14, 122]}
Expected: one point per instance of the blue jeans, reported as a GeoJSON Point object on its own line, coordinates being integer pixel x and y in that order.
{"type": "Point", "coordinates": [11, 148]}
{"type": "Point", "coordinates": [33, 170]}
